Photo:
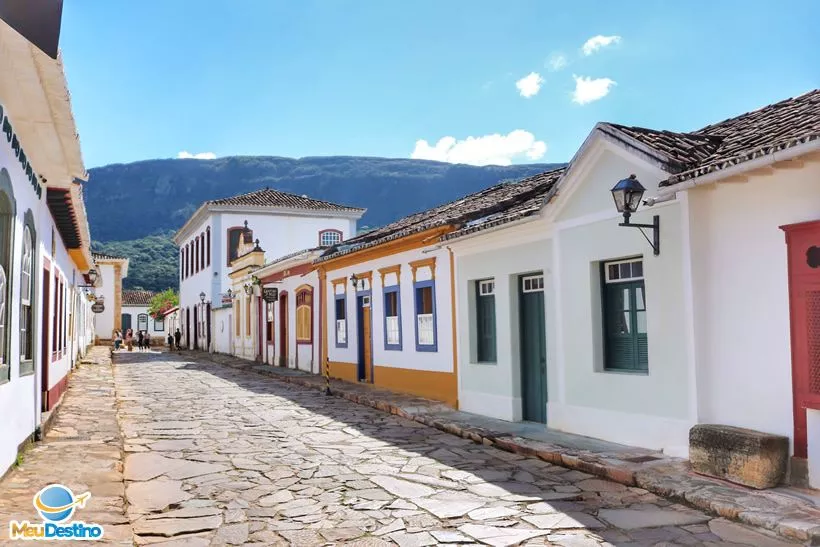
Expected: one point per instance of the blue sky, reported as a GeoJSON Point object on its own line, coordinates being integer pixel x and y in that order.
{"type": "Point", "coordinates": [370, 77]}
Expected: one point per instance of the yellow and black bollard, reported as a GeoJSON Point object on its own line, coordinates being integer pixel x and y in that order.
{"type": "Point", "coordinates": [327, 377]}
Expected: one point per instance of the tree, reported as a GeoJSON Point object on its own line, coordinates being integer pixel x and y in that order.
{"type": "Point", "coordinates": [162, 302]}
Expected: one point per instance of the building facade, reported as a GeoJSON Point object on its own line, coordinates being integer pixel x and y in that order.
{"type": "Point", "coordinates": [45, 253]}
{"type": "Point", "coordinates": [135, 316]}
{"type": "Point", "coordinates": [209, 242]}
{"type": "Point", "coordinates": [111, 270]}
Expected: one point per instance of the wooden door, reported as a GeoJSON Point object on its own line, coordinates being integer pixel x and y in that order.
{"type": "Point", "coordinates": [533, 348]}
{"type": "Point", "coordinates": [208, 325]}
{"type": "Point", "coordinates": [364, 339]}
{"type": "Point", "coordinates": [45, 353]}
{"type": "Point", "coordinates": [803, 242]}
{"type": "Point", "coordinates": [196, 327]}
{"type": "Point", "coordinates": [283, 329]}
{"type": "Point", "coordinates": [125, 321]}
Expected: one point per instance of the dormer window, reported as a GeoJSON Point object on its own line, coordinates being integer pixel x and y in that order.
{"type": "Point", "coordinates": [329, 238]}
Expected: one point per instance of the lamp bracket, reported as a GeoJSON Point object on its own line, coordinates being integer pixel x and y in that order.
{"type": "Point", "coordinates": [655, 242]}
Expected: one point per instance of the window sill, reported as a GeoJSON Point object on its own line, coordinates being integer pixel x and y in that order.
{"type": "Point", "coordinates": [392, 347]}
{"type": "Point", "coordinates": [427, 349]}
{"type": "Point", "coordinates": [624, 371]}
{"type": "Point", "coordinates": [341, 346]}
{"type": "Point", "coordinates": [479, 363]}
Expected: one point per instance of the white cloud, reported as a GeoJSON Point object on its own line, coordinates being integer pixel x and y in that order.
{"type": "Point", "coordinates": [556, 62]}
{"type": "Point", "coordinates": [588, 90]}
{"type": "Point", "coordinates": [492, 149]}
{"type": "Point", "coordinates": [529, 85]}
{"type": "Point", "coordinates": [597, 42]}
{"type": "Point", "coordinates": [185, 155]}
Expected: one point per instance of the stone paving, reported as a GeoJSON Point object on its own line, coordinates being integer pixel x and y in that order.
{"type": "Point", "coordinates": [219, 456]}
{"type": "Point", "coordinates": [83, 451]}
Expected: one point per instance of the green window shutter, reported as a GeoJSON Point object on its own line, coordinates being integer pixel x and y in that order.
{"type": "Point", "coordinates": [485, 327]}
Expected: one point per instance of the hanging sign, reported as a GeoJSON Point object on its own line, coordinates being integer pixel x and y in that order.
{"type": "Point", "coordinates": [98, 307]}
{"type": "Point", "coordinates": [270, 294]}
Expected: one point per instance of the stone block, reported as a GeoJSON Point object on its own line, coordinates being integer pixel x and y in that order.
{"type": "Point", "coordinates": [743, 456]}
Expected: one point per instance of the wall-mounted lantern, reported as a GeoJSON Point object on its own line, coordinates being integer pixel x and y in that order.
{"type": "Point", "coordinates": [354, 281]}
{"type": "Point", "coordinates": [248, 288]}
{"type": "Point", "coordinates": [627, 195]}
{"type": "Point", "coordinates": [202, 297]}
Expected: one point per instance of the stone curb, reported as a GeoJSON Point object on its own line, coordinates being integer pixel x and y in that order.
{"type": "Point", "coordinates": [669, 478]}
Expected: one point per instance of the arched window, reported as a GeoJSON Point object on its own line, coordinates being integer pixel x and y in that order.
{"type": "Point", "coordinates": [329, 238]}
{"type": "Point", "coordinates": [190, 259]}
{"type": "Point", "coordinates": [208, 246]}
{"type": "Point", "coordinates": [26, 323]}
{"type": "Point", "coordinates": [182, 263]}
{"type": "Point", "coordinates": [7, 212]}
{"type": "Point", "coordinates": [196, 254]}
{"type": "Point", "coordinates": [304, 315]}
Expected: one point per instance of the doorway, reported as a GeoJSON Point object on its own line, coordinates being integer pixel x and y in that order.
{"type": "Point", "coordinates": [533, 348]}
{"type": "Point", "coordinates": [364, 338]}
{"type": "Point", "coordinates": [208, 327]}
{"type": "Point", "coordinates": [283, 329]}
{"type": "Point", "coordinates": [125, 319]}
{"type": "Point", "coordinates": [196, 328]}
{"type": "Point", "coordinates": [188, 328]}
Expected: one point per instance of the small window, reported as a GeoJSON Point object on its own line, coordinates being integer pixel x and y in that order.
{"type": "Point", "coordinates": [208, 246]}
{"type": "Point", "coordinates": [485, 321]}
{"type": "Point", "coordinates": [425, 317]}
{"type": "Point", "coordinates": [533, 283]}
{"type": "Point", "coordinates": [142, 321]}
{"type": "Point", "coordinates": [159, 325]}
{"type": "Point", "coordinates": [392, 319]}
{"type": "Point", "coordinates": [329, 238]}
{"type": "Point", "coordinates": [269, 332]}
{"type": "Point", "coordinates": [341, 321]}
{"type": "Point", "coordinates": [26, 330]}
{"type": "Point", "coordinates": [624, 309]}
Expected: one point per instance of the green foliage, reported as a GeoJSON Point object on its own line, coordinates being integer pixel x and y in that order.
{"type": "Point", "coordinates": [153, 261]}
{"type": "Point", "coordinates": [162, 302]}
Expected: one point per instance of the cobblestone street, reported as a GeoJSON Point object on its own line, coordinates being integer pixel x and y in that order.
{"type": "Point", "coordinates": [217, 456]}
{"type": "Point", "coordinates": [241, 458]}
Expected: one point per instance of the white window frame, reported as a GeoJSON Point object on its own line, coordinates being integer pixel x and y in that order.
{"type": "Point", "coordinates": [332, 234]}
{"type": "Point", "coordinates": [486, 287]}
{"type": "Point", "coordinates": [618, 263]}
{"type": "Point", "coordinates": [532, 283]}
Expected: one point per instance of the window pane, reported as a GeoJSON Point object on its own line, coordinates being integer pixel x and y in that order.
{"type": "Point", "coordinates": [391, 307]}
{"type": "Point", "coordinates": [425, 328]}
{"type": "Point", "coordinates": [392, 324]}
{"type": "Point", "coordinates": [637, 269]}
{"type": "Point", "coordinates": [424, 300]}
{"type": "Point", "coordinates": [613, 271]}
{"type": "Point", "coordinates": [639, 303]}
{"type": "Point", "coordinates": [625, 272]}
{"type": "Point", "coordinates": [340, 309]}
{"type": "Point", "coordinates": [641, 322]}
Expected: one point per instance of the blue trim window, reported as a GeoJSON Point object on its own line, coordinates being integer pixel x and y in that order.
{"type": "Point", "coordinates": [425, 300]}
{"type": "Point", "coordinates": [341, 321]}
{"type": "Point", "coordinates": [392, 318]}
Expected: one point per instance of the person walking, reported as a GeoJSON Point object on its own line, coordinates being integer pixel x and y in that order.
{"type": "Point", "coordinates": [147, 341]}
{"type": "Point", "coordinates": [140, 338]}
{"type": "Point", "coordinates": [129, 339]}
{"type": "Point", "coordinates": [170, 342]}
{"type": "Point", "coordinates": [177, 339]}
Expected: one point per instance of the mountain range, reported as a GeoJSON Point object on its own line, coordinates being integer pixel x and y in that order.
{"type": "Point", "coordinates": [135, 208]}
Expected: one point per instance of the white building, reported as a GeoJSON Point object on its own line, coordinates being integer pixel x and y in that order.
{"type": "Point", "coordinates": [44, 241]}
{"type": "Point", "coordinates": [135, 316]}
{"type": "Point", "coordinates": [638, 345]}
{"type": "Point", "coordinates": [209, 240]}
{"type": "Point", "coordinates": [111, 270]}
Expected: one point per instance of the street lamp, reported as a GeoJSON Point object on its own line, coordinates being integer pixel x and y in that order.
{"type": "Point", "coordinates": [354, 281]}
{"type": "Point", "coordinates": [627, 194]}
{"type": "Point", "coordinates": [230, 294]}
{"type": "Point", "coordinates": [202, 297]}
{"type": "Point", "coordinates": [248, 289]}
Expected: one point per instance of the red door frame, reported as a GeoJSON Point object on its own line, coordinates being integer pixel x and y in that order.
{"type": "Point", "coordinates": [803, 247]}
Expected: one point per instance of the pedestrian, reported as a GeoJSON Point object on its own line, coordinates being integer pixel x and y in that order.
{"type": "Point", "coordinates": [140, 338]}
{"type": "Point", "coordinates": [129, 339]}
{"type": "Point", "coordinates": [170, 341]}
{"type": "Point", "coordinates": [147, 341]}
{"type": "Point", "coordinates": [177, 339]}
{"type": "Point", "coordinates": [117, 340]}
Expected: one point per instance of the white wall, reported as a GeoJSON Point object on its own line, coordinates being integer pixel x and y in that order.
{"type": "Point", "coordinates": [155, 329]}
{"type": "Point", "coordinates": [408, 358]}
{"type": "Point", "coordinates": [301, 356]}
{"type": "Point", "coordinates": [494, 389]}
{"type": "Point", "coordinates": [741, 296]}
{"type": "Point", "coordinates": [104, 321]}
{"type": "Point", "coordinates": [653, 410]}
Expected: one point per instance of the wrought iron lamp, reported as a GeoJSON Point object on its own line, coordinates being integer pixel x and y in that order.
{"type": "Point", "coordinates": [627, 195]}
{"type": "Point", "coordinates": [202, 297]}
{"type": "Point", "coordinates": [248, 288]}
{"type": "Point", "coordinates": [354, 281]}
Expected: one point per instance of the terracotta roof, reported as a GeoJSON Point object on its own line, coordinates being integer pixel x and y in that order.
{"type": "Point", "coordinates": [754, 134]}
{"type": "Point", "coordinates": [274, 198]}
{"type": "Point", "coordinates": [498, 204]}
{"type": "Point", "coordinates": [136, 298]}
{"type": "Point", "coordinates": [105, 256]}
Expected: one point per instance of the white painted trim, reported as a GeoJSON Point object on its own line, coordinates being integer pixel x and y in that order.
{"type": "Point", "coordinates": [689, 308]}
{"type": "Point", "coordinates": [653, 432]}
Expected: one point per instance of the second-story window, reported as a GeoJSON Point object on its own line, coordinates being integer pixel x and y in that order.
{"type": "Point", "coordinates": [329, 238]}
